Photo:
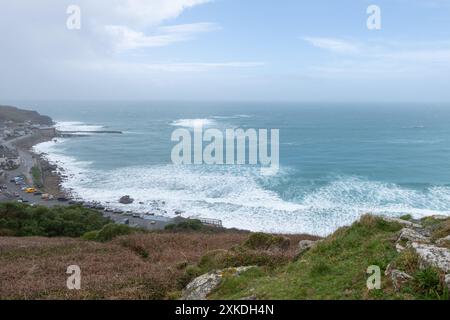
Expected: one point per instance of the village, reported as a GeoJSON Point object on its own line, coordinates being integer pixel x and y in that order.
{"type": "Point", "coordinates": [11, 131]}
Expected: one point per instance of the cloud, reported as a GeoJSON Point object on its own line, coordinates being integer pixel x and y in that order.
{"type": "Point", "coordinates": [379, 58]}
{"type": "Point", "coordinates": [334, 45]}
{"type": "Point", "coordinates": [171, 67]}
{"type": "Point", "coordinates": [151, 12]}
{"type": "Point", "coordinates": [125, 38]}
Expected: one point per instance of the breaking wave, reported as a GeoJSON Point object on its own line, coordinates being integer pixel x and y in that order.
{"type": "Point", "coordinates": [241, 197]}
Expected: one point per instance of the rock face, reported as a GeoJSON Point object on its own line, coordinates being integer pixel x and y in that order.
{"type": "Point", "coordinates": [407, 234]}
{"type": "Point", "coordinates": [305, 245]}
{"type": "Point", "coordinates": [201, 287]}
{"type": "Point", "coordinates": [126, 200]}
{"type": "Point", "coordinates": [405, 223]}
{"type": "Point", "coordinates": [431, 255]}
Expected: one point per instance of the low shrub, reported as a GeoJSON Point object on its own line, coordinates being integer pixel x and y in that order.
{"type": "Point", "coordinates": [22, 220]}
{"type": "Point", "coordinates": [429, 282]}
{"type": "Point", "coordinates": [264, 241]}
{"type": "Point", "coordinates": [406, 217]}
{"type": "Point", "coordinates": [112, 230]}
{"type": "Point", "coordinates": [188, 225]}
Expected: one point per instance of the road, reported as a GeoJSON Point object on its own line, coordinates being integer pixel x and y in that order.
{"type": "Point", "coordinates": [28, 161]}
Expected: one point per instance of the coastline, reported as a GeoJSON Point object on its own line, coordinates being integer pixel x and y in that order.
{"type": "Point", "coordinates": [51, 180]}
{"type": "Point", "coordinates": [52, 177]}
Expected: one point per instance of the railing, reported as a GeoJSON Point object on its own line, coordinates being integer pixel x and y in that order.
{"type": "Point", "coordinates": [211, 222]}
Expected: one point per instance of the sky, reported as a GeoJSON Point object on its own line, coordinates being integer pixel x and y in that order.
{"type": "Point", "coordinates": [240, 50]}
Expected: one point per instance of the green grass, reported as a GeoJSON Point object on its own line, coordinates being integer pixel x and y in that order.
{"type": "Point", "coordinates": [109, 232]}
{"type": "Point", "coordinates": [334, 269]}
{"type": "Point", "coordinates": [37, 176]}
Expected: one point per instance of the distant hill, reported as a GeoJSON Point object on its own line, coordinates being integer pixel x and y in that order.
{"type": "Point", "coordinates": [19, 115]}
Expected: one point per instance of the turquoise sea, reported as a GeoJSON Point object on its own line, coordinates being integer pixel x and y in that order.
{"type": "Point", "coordinates": [337, 161]}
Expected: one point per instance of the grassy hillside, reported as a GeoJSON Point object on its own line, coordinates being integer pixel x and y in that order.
{"type": "Point", "coordinates": [126, 263]}
{"type": "Point", "coordinates": [336, 268]}
{"type": "Point", "coordinates": [117, 262]}
{"type": "Point", "coordinates": [18, 115]}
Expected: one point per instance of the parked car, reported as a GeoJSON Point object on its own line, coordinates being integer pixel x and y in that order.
{"type": "Point", "coordinates": [62, 199]}
{"type": "Point", "coordinates": [38, 193]}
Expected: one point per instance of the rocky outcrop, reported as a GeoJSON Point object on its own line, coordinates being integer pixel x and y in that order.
{"type": "Point", "coordinates": [443, 241]}
{"type": "Point", "coordinates": [419, 239]}
{"type": "Point", "coordinates": [201, 287]}
{"type": "Point", "coordinates": [126, 200]}
{"type": "Point", "coordinates": [305, 245]}
{"type": "Point", "coordinates": [405, 223]}
{"type": "Point", "coordinates": [431, 255]}
{"type": "Point", "coordinates": [407, 236]}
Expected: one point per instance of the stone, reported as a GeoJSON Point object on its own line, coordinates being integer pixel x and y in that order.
{"type": "Point", "coordinates": [126, 200]}
{"type": "Point", "coordinates": [447, 281]}
{"type": "Point", "coordinates": [399, 247]}
{"type": "Point", "coordinates": [407, 234]}
{"type": "Point", "coordinates": [443, 241]}
{"type": "Point", "coordinates": [402, 222]}
{"type": "Point", "coordinates": [399, 278]}
{"type": "Point", "coordinates": [201, 287]}
{"type": "Point", "coordinates": [388, 270]}
{"type": "Point", "coordinates": [431, 255]}
{"type": "Point", "coordinates": [439, 217]}
{"type": "Point", "coordinates": [305, 245]}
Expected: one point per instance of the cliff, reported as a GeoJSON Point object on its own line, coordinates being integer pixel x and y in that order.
{"type": "Point", "coordinates": [8, 113]}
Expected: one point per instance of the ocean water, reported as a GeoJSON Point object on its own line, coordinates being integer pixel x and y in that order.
{"type": "Point", "coordinates": [337, 161]}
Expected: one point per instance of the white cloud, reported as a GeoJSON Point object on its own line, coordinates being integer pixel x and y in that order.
{"type": "Point", "coordinates": [379, 58]}
{"type": "Point", "coordinates": [125, 38]}
{"type": "Point", "coordinates": [153, 11]}
{"type": "Point", "coordinates": [334, 45]}
{"type": "Point", "coordinates": [173, 67]}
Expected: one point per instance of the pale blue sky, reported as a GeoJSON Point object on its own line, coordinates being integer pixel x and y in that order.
{"type": "Point", "coordinates": [226, 50]}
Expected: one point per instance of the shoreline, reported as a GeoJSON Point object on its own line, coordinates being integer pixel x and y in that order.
{"type": "Point", "coordinates": [52, 179]}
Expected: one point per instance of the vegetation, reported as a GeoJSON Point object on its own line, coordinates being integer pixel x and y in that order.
{"type": "Point", "coordinates": [37, 176]}
{"type": "Point", "coordinates": [109, 232]}
{"type": "Point", "coordinates": [21, 220]}
{"type": "Point", "coordinates": [188, 225]}
{"type": "Point", "coordinates": [19, 115]}
{"type": "Point", "coordinates": [121, 262]}
{"type": "Point", "coordinates": [336, 269]}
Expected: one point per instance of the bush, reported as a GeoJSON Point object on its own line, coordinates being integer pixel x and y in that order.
{"type": "Point", "coordinates": [111, 231]}
{"type": "Point", "coordinates": [427, 279]}
{"type": "Point", "coordinates": [90, 236]}
{"type": "Point", "coordinates": [22, 220]}
{"type": "Point", "coordinates": [406, 217]}
{"type": "Point", "coordinates": [189, 225]}
{"type": "Point", "coordinates": [263, 241]}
